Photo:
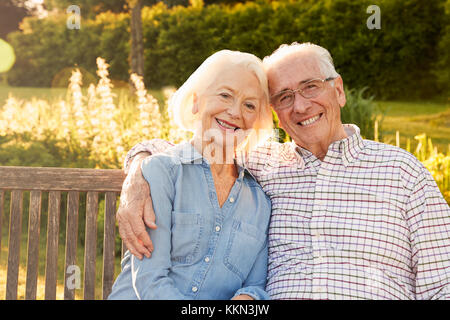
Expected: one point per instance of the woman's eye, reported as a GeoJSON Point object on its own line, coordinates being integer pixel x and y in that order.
{"type": "Point", "coordinates": [225, 95]}
{"type": "Point", "coordinates": [250, 106]}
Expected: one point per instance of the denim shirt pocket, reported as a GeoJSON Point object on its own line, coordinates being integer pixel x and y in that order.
{"type": "Point", "coordinates": [244, 244]}
{"type": "Point", "coordinates": [187, 230]}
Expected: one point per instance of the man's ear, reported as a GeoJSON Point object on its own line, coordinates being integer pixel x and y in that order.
{"type": "Point", "coordinates": [340, 93]}
{"type": "Point", "coordinates": [194, 103]}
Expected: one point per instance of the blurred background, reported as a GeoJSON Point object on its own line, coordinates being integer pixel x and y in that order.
{"type": "Point", "coordinates": [82, 81]}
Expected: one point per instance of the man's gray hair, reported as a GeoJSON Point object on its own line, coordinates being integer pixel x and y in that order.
{"type": "Point", "coordinates": [323, 56]}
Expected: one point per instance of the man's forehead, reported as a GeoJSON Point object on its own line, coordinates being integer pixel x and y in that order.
{"type": "Point", "coordinates": [292, 70]}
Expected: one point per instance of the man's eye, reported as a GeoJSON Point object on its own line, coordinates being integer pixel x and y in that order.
{"type": "Point", "coordinates": [285, 97]}
{"type": "Point", "coordinates": [311, 86]}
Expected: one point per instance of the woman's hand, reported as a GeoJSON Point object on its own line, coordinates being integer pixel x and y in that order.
{"type": "Point", "coordinates": [243, 297]}
{"type": "Point", "coordinates": [136, 210]}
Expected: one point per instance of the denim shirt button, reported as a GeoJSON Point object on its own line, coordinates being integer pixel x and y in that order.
{"type": "Point", "coordinates": [231, 199]}
{"type": "Point", "coordinates": [217, 228]}
{"type": "Point", "coordinates": [207, 259]}
{"type": "Point", "coordinates": [194, 289]}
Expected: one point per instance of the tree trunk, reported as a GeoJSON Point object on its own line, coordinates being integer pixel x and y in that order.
{"type": "Point", "coordinates": [137, 46]}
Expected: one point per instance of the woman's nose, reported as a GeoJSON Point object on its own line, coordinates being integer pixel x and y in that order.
{"type": "Point", "coordinates": [234, 110]}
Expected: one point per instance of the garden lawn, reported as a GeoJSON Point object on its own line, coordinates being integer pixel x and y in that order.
{"type": "Point", "coordinates": [414, 118]}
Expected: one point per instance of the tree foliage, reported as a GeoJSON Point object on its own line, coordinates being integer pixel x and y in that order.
{"type": "Point", "coordinates": [406, 58]}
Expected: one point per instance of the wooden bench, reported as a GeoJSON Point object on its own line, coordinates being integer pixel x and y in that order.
{"type": "Point", "coordinates": [94, 182]}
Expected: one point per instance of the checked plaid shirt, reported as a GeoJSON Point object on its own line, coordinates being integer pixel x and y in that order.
{"type": "Point", "coordinates": [367, 222]}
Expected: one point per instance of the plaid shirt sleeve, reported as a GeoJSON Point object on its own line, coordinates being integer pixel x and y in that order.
{"type": "Point", "coordinates": [428, 215]}
{"type": "Point", "coordinates": [151, 146]}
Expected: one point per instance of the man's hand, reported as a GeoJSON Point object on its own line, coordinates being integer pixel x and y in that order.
{"type": "Point", "coordinates": [136, 210]}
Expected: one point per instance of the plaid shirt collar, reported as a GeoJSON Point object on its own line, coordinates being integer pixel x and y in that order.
{"type": "Point", "coordinates": [348, 147]}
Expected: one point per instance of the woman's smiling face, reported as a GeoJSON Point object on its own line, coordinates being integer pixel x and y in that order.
{"type": "Point", "coordinates": [228, 107]}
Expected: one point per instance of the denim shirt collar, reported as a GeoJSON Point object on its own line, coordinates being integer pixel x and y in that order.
{"type": "Point", "coordinates": [189, 155]}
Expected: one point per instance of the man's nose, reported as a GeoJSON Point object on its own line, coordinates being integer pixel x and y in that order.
{"type": "Point", "coordinates": [301, 104]}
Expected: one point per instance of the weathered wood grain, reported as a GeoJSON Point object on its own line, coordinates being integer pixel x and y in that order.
{"type": "Point", "coordinates": [73, 199]}
{"type": "Point", "coordinates": [15, 231]}
{"type": "Point", "coordinates": [34, 222]}
{"type": "Point", "coordinates": [108, 243]}
{"type": "Point", "coordinates": [2, 203]}
{"type": "Point", "coordinates": [61, 179]}
{"type": "Point", "coordinates": [56, 181]}
{"type": "Point", "coordinates": [90, 245]}
{"type": "Point", "coordinates": [51, 269]}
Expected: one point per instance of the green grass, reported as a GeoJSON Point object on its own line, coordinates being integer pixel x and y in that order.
{"type": "Point", "coordinates": [413, 118]}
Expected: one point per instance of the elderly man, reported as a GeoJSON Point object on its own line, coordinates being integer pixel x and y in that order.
{"type": "Point", "coordinates": [351, 218]}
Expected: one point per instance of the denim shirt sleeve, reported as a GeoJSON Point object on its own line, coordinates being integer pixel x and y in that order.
{"type": "Point", "coordinates": [255, 283]}
{"type": "Point", "coordinates": [150, 276]}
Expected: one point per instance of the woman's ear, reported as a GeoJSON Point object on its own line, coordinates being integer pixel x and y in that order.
{"type": "Point", "coordinates": [194, 103]}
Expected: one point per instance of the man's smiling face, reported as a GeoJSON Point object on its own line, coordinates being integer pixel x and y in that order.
{"type": "Point", "coordinates": [314, 121]}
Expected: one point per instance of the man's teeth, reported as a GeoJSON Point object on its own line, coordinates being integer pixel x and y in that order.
{"type": "Point", "coordinates": [310, 120]}
{"type": "Point", "coordinates": [223, 124]}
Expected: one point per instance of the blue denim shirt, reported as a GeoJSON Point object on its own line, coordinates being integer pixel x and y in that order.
{"type": "Point", "coordinates": [201, 251]}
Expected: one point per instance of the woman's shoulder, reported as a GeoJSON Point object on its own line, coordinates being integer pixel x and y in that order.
{"type": "Point", "coordinates": [162, 163]}
{"type": "Point", "coordinates": [170, 157]}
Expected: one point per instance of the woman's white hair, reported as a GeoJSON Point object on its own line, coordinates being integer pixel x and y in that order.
{"type": "Point", "coordinates": [181, 102]}
{"type": "Point", "coordinates": [323, 57]}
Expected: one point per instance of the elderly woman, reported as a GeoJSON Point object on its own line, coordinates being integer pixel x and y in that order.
{"type": "Point", "coordinates": [212, 216]}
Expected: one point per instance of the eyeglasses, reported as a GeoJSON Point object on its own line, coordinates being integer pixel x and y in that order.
{"type": "Point", "coordinates": [308, 90]}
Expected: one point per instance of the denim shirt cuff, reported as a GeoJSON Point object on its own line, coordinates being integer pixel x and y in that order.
{"type": "Point", "coordinates": [255, 292]}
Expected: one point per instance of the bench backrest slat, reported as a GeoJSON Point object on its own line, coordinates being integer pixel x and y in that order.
{"type": "Point", "coordinates": [2, 204]}
{"type": "Point", "coordinates": [90, 245]}
{"type": "Point", "coordinates": [73, 200]}
{"type": "Point", "coordinates": [51, 267]}
{"type": "Point", "coordinates": [109, 243]}
{"type": "Point", "coordinates": [34, 222]}
{"type": "Point", "coordinates": [15, 232]}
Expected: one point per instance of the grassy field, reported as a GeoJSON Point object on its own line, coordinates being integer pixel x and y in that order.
{"type": "Point", "coordinates": [413, 118]}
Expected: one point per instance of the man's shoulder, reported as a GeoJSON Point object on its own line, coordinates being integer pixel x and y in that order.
{"type": "Point", "coordinates": [380, 152]}
{"type": "Point", "coordinates": [268, 148]}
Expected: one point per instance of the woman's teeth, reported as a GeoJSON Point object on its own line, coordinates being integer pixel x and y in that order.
{"type": "Point", "coordinates": [310, 120]}
{"type": "Point", "coordinates": [225, 125]}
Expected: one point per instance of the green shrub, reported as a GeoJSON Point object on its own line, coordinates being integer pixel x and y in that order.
{"type": "Point", "coordinates": [363, 112]}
